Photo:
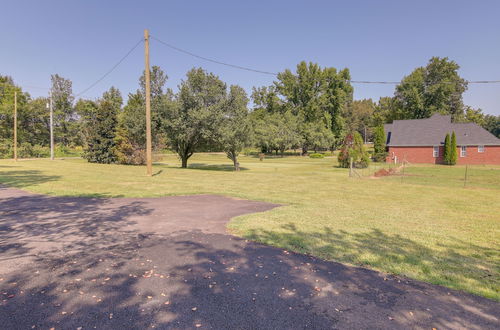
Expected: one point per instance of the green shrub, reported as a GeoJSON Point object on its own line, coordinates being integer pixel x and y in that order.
{"type": "Point", "coordinates": [6, 148]}
{"type": "Point", "coordinates": [24, 150]}
{"type": "Point", "coordinates": [316, 155]}
{"type": "Point", "coordinates": [33, 151]}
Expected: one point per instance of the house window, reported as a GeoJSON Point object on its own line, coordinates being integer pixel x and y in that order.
{"type": "Point", "coordinates": [480, 148]}
{"type": "Point", "coordinates": [435, 152]}
{"type": "Point", "coordinates": [463, 151]}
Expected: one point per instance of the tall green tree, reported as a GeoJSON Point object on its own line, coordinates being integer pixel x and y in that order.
{"type": "Point", "coordinates": [278, 132]}
{"type": "Point", "coordinates": [193, 118]}
{"type": "Point", "coordinates": [235, 129]}
{"type": "Point", "coordinates": [385, 111]}
{"type": "Point", "coordinates": [131, 130]}
{"type": "Point", "coordinates": [317, 136]}
{"type": "Point", "coordinates": [492, 124]}
{"type": "Point", "coordinates": [101, 146]}
{"type": "Point", "coordinates": [266, 98]}
{"type": "Point", "coordinates": [33, 122]}
{"type": "Point", "coordinates": [24, 132]}
{"type": "Point", "coordinates": [86, 110]}
{"type": "Point", "coordinates": [453, 149]}
{"type": "Point", "coordinates": [489, 122]}
{"type": "Point", "coordinates": [360, 117]}
{"type": "Point", "coordinates": [447, 150]}
{"type": "Point", "coordinates": [435, 88]}
{"type": "Point", "coordinates": [159, 95]}
{"type": "Point", "coordinates": [314, 94]}
{"type": "Point", "coordinates": [336, 96]}
{"type": "Point", "coordinates": [64, 114]}
{"type": "Point", "coordinates": [379, 144]}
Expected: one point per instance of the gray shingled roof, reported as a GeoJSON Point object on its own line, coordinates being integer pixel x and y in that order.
{"type": "Point", "coordinates": [432, 131]}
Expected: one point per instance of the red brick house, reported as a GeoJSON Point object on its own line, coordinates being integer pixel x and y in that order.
{"type": "Point", "coordinates": [422, 141]}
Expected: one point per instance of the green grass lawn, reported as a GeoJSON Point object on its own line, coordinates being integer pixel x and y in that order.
{"type": "Point", "coordinates": [425, 226]}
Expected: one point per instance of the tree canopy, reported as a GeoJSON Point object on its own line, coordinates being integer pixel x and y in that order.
{"type": "Point", "coordinates": [435, 88]}
{"type": "Point", "coordinates": [309, 108]}
{"type": "Point", "coordinates": [193, 118]}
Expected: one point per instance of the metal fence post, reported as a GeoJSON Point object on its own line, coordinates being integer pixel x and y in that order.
{"type": "Point", "coordinates": [350, 167]}
{"type": "Point", "coordinates": [465, 177]}
{"type": "Point", "coordinates": [403, 172]}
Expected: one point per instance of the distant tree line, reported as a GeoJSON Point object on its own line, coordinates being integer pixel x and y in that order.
{"type": "Point", "coordinates": [309, 109]}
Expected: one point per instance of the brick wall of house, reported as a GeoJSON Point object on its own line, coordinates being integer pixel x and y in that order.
{"type": "Point", "coordinates": [490, 156]}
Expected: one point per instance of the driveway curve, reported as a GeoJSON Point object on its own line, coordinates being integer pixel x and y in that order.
{"type": "Point", "coordinates": [168, 263]}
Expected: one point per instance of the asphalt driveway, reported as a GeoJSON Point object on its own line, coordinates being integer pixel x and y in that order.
{"type": "Point", "coordinates": [85, 263]}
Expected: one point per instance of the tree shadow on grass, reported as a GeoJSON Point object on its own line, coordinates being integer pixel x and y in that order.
{"type": "Point", "coordinates": [214, 167]}
{"type": "Point", "coordinates": [25, 178]}
{"type": "Point", "coordinates": [460, 264]}
{"type": "Point", "coordinates": [158, 173]}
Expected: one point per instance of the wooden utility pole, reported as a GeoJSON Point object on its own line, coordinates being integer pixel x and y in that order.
{"type": "Point", "coordinates": [51, 127]}
{"type": "Point", "coordinates": [149, 161]}
{"type": "Point", "coordinates": [15, 126]}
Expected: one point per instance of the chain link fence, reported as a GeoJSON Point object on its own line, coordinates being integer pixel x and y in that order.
{"type": "Point", "coordinates": [458, 176]}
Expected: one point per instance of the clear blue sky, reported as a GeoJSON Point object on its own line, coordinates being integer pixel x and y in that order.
{"type": "Point", "coordinates": [376, 40]}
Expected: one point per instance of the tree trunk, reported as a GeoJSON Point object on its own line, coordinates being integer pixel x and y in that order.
{"type": "Point", "coordinates": [184, 153]}
{"type": "Point", "coordinates": [184, 161]}
{"type": "Point", "coordinates": [304, 150]}
{"type": "Point", "coordinates": [234, 157]}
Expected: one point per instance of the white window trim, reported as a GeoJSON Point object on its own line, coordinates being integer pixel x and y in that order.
{"type": "Point", "coordinates": [463, 151]}
{"type": "Point", "coordinates": [435, 153]}
{"type": "Point", "coordinates": [480, 148]}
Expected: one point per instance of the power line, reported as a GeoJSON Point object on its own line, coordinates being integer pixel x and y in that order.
{"type": "Point", "coordinates": [240, 67]}
{"type": "Point", "coordinates": [484, 82]}
{"type": "Point", "coordinates": [212, 60]}
{"type": "Point", "coordinates": [441, 82]}
{"type": "Point", "coordinates": [275, 74]}
{"type": "Point", "coordinates": [374, 82]}
{"type": "Point", "coordinates": [112, 69]}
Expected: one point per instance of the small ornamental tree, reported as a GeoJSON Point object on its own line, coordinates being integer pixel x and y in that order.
{"type": "Point", "coordinates": [379, 144]}
{"type": "Point", "coordinates": [353, 147]}
{"type": "Point", "coordinates": [453, 149]}
{"type": "Point", "coordinates": [447, 149]}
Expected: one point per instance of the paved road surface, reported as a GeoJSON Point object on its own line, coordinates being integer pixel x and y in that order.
{"type": "Point", "coordinates": [83, 263]}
